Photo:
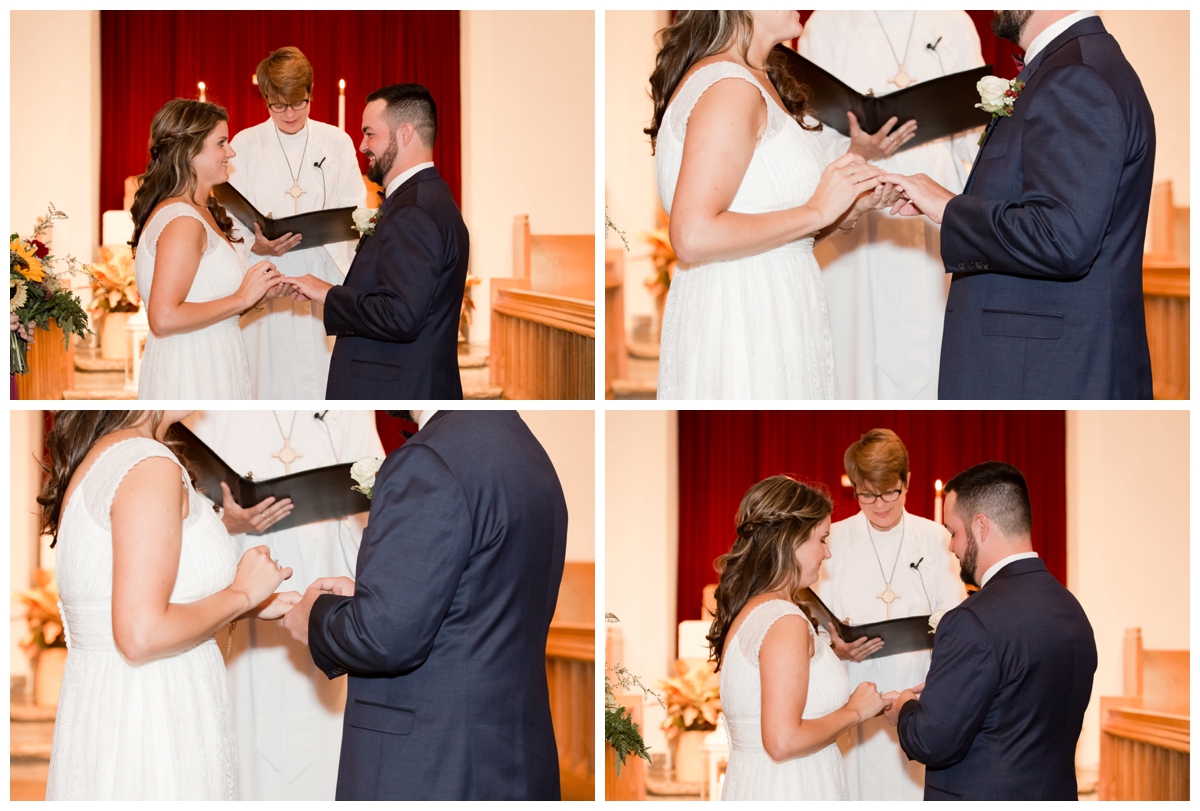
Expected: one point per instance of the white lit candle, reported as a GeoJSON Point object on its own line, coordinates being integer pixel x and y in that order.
{"type": "Point", "coordinates": [202, 87]}
{"type": "Point", "coordinates": [342, 105]}
{"type": "Point", "coordinates": [937, 501]}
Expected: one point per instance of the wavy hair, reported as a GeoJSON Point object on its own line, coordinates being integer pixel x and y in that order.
{"type": "Point", "coordinates": [177, 135]}
{"type": "Point", "coordinates": [696, 35]}
{"type": "Point", "coordinates": [776, 516]}
{"type": "Point", "coordinates": [72, 435]}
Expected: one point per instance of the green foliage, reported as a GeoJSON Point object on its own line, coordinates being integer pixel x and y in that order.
{"type": "Point", "coordinates": [622, 734]}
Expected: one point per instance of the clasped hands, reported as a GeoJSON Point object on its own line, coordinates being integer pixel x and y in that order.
{"type": "Point", "coordinates": [868, 702]}
{"type": "Point", "coordinates": [294, 608]}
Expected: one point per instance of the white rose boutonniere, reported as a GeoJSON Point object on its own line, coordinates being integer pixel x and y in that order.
{"type": "Point", "coordinates": [996, 96]}
{"type": "Point", "coordinates": [363, 472]}
{"type": "Point", "coordinates": [364, 221]}
{"type": "Point", "coordinates": [934, 619]}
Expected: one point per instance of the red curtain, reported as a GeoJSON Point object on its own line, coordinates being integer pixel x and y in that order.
{"type": "Point", "coordinates": [389, 428]}
{"type": "Point", "coordinates": [150, 57]}
{"type": "Point", "coordinates": [722, 453]}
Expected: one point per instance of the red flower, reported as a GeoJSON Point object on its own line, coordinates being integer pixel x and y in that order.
{"type": "Point", "coordinates": [40, 250]}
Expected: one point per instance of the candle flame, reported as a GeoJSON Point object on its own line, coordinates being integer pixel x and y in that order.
{"type": "Point", "coordinates": [937, 485]}
{"type": "Point", "coordinates": [341, 84]}
{"type": "Point", "coordinates": [202, 86]}
{"type": "Point", "coordinates": [846, 481]}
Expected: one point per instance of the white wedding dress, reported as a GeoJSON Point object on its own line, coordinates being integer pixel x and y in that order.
{"type": "Point", "coordinates": [751, 773]}
{"type": "Point", "coordinates": [160, 729]}
{"type": "Point", "coordinates": [206, 364]}
{"type": "Point", "coordinates": [755, 327]}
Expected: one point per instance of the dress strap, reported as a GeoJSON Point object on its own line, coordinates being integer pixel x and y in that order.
{"type": "Point", "coordinates": [754, 628]}
{"type": "Point", "coordinates": [107, 473]}
{"type": "Point", "coordinates": [148, 241]}
{"type": "Point", "coordinates": [680, 110]}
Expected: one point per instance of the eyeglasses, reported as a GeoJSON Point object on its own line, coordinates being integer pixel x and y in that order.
{"type": "Point", "coordinates": [869, 498]}
{"type": "Point", "coordinates": [279, 107]}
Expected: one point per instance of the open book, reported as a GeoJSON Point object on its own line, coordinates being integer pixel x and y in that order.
{"type": "Point", "coordinates": [899, 635]}
{"type": "Point", "coordinates": [316, 494]}
{"type": "Point", "coordinates": [317, 227]}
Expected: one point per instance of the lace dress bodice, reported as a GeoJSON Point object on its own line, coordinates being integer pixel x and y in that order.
{"type": "Point", "coordinates": [757, 326]}
{"type": "Point", "coordinates": [156, 729]}
{"type": "Point", "coordinates": [751, 773]}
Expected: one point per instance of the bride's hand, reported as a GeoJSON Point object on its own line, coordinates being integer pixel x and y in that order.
{"type": "Point", "coordinates": [841, 184]}
{"type": "Point", "coordinates": [258, 575]}
{"type": "Point", "coordinates": [277, 605]}
{"type": "Point", "coordinates": [259, 279]}
{"type": "Point", "coordinates": [867, 701]}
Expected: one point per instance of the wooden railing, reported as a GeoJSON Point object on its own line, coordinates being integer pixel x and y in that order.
{"type": "Point", "coordinates": [571, 674]}
{"type": "Point", "coordinates": [51, 367]}
{"type": "Point", "coordinates": [1166, 288]}
{"type": "Point", "coordinates": [616, 360]}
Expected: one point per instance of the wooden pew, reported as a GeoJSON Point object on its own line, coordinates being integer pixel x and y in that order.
{"type": "Point", "coordinates": [1166, 286]}
{"type": "Point", "coordinates": [543, 343]}
{"type": "Point", "coordinates": [616, 357]}
{"type": "Point", "coordinates": [1145, 749]}
{"type": "Point", "coordinates": [631, 785]}
{"type": "Point", "coordinates": [571, 674]}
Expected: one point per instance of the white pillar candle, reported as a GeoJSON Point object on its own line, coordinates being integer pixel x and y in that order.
{"type": "Point", "coordinates": [203, 87]}
{"type": "Point", "coordinates": [937, 501]}
{"type": "Point", "coordinates": [342, 105]}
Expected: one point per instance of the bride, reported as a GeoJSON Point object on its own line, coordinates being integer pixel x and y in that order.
{"type": "Point", "coordinates": [748, 190]}
{"type": "Point", "coordinates": [785, 695]}
{"type": "Point", "coordinates": [146, 575]}
{"type": "Point", "coordinates": [194, 282]}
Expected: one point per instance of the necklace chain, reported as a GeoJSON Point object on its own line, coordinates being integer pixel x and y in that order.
{"type": "Point", "coordinates": [296, 177]}
{"type": "Point", "coordinates": [901, 79]}
{"type": "Point", "coordinates": [887, 581]}
{"type": "Point", "coordinates": [288, 436]}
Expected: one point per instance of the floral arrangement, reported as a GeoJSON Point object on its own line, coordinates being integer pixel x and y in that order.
{"type": "Point", "coordinates": [620, 731]}
{"type": "Point", "coordinates": [363, 472]}
{"type": "Point", "coordinates": [37, 292]}
{"type": "Point", "coordinates": [997, 96]}
{"type": "Point", "coordinates": [114, 284]}
{"type": "Point", "coordinates": [664, 259]}
{"type": "Point", "coordinates": [365, 219]}
{"type": "Point", "coordinates": [693, 698]}
{"type": "Point", "coordinates": [45, 621]}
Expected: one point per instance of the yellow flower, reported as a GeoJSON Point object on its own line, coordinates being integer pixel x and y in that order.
{"type": "Point", "coordinates": [29, 265]}
{"type": "Point", "coordinates": [19, 295]}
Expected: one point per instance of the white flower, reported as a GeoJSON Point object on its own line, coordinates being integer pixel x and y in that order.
{"type": "Point", "coordinates": [934, 619]}
{"type": "Point", "coordinates": [992, 91]}
{"type": "Point", "coordinates": [19, 294]}
{"type": "Point", "coordinates": [363, 219]}
{"type": "Point", "coordinates": [363, 472]}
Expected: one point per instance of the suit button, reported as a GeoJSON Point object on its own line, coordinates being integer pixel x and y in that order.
{"type": "Point", "coordinates": [962, 266]}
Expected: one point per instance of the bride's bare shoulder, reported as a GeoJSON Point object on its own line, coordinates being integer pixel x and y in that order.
{"type": "Point", "coordinates": [722, 86]}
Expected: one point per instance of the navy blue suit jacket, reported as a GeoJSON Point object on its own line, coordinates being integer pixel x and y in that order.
{"type": "Point", "coordinates": [444, 639]}
{"type": "Point", "coordinates": [396, 315]}
{"type": "Point", "coordinates": [1045, 243]}
{"type": "Point", "coordinates": [1004, 699]}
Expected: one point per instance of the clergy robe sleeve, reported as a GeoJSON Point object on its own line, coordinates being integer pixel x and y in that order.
{"type": "Point", "coordinates": [963, 678]}
{"type": "Point", "coordinates": [1056, 228]}
{"type": "Point", "coordinates": [967, 54]}
{"type": "Point", "coordinates": [411, 259]}
{"type": "Point", "coordinates": [822, 43]}
{"type": "Point", "coordinates": [412, 557]}
{"type": "Point", "coordinates": [349, 190]}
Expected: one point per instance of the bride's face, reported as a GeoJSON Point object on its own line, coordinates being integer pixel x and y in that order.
{"type": "Point", "coordinates": [812, 553]}
{"type": "Point", "coordinates": [212, 163]}
{"type": "Point", "coordinates": [777, 26]}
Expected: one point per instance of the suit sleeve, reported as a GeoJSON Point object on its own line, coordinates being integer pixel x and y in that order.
{"type": "Point", "coordinates": [938, 729]}
{"type": "Point", "coordinates": [411, 258]}
{"type": "Point", "coordinates": [409, 567]}
{"type": "Point", "coordinates": [1072, 152]}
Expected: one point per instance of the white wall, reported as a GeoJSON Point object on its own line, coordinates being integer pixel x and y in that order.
{"type": "Point", "coordinates": [629, 189]}
{"type": "Point", "coordinates": [1156, 43]}
{"type": "Point", "coordinates": [641, 537]}
{"type": "Point", "coordinates": [24, 522]}
{"type": "Point", "coordinates": [1128, 557]}
{"type": "Point", "coordinates": [569, 438]}
{"type": "Point", "coordinates": [54, 130]}
{"type": "Point", "coordinates": [528, 133]}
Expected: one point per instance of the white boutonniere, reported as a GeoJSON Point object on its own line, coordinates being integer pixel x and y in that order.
{"type": "Point", "coordinates": [363, 472]}
{"type": "Point", "coordinates": [934, 619]}
{"type": "Point", "coordinates": [997, 96]}
{"type": "Point", "coordinates": [365, 219]}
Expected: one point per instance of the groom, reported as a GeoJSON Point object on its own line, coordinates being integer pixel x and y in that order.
{"type": "Point", "coordinates": [396, 315]}
{"type": "Point", "coordinates": [1046, 240]}
{"type": "Point", "coordinates": [1011, 677]}
{"type": "Point", "coordinates": [444, 632]}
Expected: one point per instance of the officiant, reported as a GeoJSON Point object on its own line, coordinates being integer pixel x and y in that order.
{"type": "Point", "coordinates": [291, 164]}
{"type": "Point", "coordinates": [288, 716]}
{"type": "Point", "coordinates": [884, 281]}
{"type": "Point", "coordinates": [884, 564]}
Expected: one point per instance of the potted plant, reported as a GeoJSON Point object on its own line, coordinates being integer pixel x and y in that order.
{"type": "Point", "coordinates": [693, 703]}
{"type": "Point", "coordinates": [114, 298]}
{"type": "Point", "coordinates": [46, 642]}
{"type": "Point", "coordinates": [621, 733]}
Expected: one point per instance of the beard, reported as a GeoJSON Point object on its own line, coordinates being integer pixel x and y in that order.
{"type": "Point", "coordinates": [379, 168]}
{"type": "Point", "coordinates": [407, 416]}
{"type": "Point", "coordinates": [1009, 24]}
{"type": "Point", "coordinates": [970, 561]}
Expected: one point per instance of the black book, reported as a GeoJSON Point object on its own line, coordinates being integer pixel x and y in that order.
{"type": "Point", "coordinates": [941, 107]}
{"type": "Point", "coordinates": [317, 494]}
{"type": "Point", "coordinates": [899, 636]}
{"type": "Point", "coordinates": [317, 227]}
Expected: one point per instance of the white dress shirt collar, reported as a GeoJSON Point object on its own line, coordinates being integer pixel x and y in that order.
{"type": "Point", "coordinates": [403, 176]}
{"type": "Point", "coordinates": [1053, 30]}
{"type": "Point", "coordinates": [990, 573]}
{"type": "Point", "coordinates": [428, 413]}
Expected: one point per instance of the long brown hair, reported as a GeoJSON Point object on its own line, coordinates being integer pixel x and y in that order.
{"type": "Point", "coordinates": [72, 435]}
{"type": "Point", "coordinates": [177, 135]}
{"type": "Point", "coordinates": [776, 516]}
{"type": "Point", "coordinates": [696, 35]}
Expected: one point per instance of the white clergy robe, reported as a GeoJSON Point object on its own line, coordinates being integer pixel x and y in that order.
{"type": "Point", "coordinates": [288, 715]}
{"type": "Point", "coordinates": [850, 582]}
{"type": "Point", "coordinates": [286, 342]}
{"type": "Point", "coordinates": [884, 281]}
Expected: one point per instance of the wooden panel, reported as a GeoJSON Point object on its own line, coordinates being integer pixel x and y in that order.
{"type": "Point", "coordinates": [51, 367]}
{"type": "Point", "coordinates": [564, 264]}
{"type": "Point", "coordinates": [631, 785]}
{"type": "Point", "coordinates": [1168, 328]}
{"type": "Point", "coordinates": [616, 358]}
{"type": "Point", "coordinates": [542, 346]}
{"type": "Point", "coordinates": [571, 674]}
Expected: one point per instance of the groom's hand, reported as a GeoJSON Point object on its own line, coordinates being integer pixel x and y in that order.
{"type": "Point", "coordinates": [341, 586]}
{"type": "Point", "coordinates": [922, 195]}
{"type": "Point", "coordinates": [309, 288]}
{"type": "Point", "coordinates": [893, 712]}
{"type": "Point", "coordinates": [296, 620]}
